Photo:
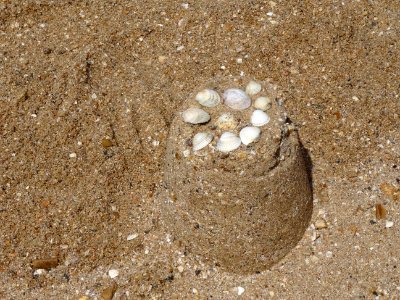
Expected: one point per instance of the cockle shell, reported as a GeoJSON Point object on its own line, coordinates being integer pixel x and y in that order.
{"type": "Point", "coordinates": [208, 98]}
{"type": "Point", "coordinates": [263, 103]}
{"type": "Point", "coordinates": [249, 134]}
{"type": "Point", "coordinates": [236, 99]}
{"type": "Point", "coordinates": [226, 122]}
{"type": "Point", "coordinates": [259, 118]}
{"type": "Point", "coordinates": [201, 140]}
{"type": "Point", "coordinates": [253, 88]}
{"type": "Point", "coordinates": [228, 142]}
{"type": "Point", "coordinates": [195, 116]}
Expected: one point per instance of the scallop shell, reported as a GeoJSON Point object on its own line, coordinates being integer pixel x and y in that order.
{"type": "Point", "coordinates": [195, 116]}
{"type": "Point", "coordinates": [208, 98]}
{"type": "Point", "coordinates": [236, 99]}
{"type": "Point", "coordinates": [226, 121]}
{"type": "Point", "coordinates": [228, 142]}
{"type": "Point", "coordinates": [249, 134]}
{"type": "Point", "coordinates": [201, 140]}
{"type": "Point", "coordinates": [259, 118]}
{"type": "Point", "coordinates": [253, 88]}
{"type": "Point", "coordinates": [263, 103]}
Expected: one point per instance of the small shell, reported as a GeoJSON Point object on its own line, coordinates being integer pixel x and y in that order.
{"type": "Point", "coordinates": [228, 142]}
{"type": "Point", "coordinates": [226, 122]}
{"type": "Point", "coordinates": [253, 88]}
{"type": "Point", "coordinates": [208, 98]}
{"type": "Point", "coordinates": [263, 103]}
{"type": "Point", "coordinates": [236, 99]}
{"type": "Point", "coordinates": [249, 134]}
{"type": "Point", "coordinates": [259, 118]}
{"type": "Point", "coordinates": [195, 116]}
{"type": "Point", "coordinates": [201, 140]}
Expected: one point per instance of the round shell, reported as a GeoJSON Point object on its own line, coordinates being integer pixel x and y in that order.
{"type": "Point", "coordinates": [195, 116]}
{"type": "Point", "coordinates": [236, 99]}
{"type": "Point", "coordinates": [208, 98]}
{"type": "Point", "coordinates": [253, 88]}
{"type": "Point", "coordinates": [226, 122]}
{"type": "Point", "coordinates": [249, 134]}
{"type": "Point", "coordinates": [259, 118]}
{"type": "Point", "coordinates": [263, 103]}
{"type": "Point", "coordinates": [201, 140]}
{"type": "Point", "coordinates": [228, 142]}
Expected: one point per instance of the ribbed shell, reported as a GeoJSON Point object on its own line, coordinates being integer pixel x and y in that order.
{"type": "Point", "coordinates": [263, 103]}
{"type": "Point", "coordinates": [195, 116]}
{"type": "Point", "coordinates": [201, 140]}
{"type": "Point", "coordinates": [259, 118]}
{"type": "Point", "coordinates": [226, 121]}
{"type": "Point", "coordinates": [249, 134]}
{"type": "Point", "coordinates": [208, 98]}
{"type": "Point", "coordinates": [236, 99]}
{"type": "Point", "coordinates": [253, 88]}
{"type": "Point", "coordinates": [228, 142]}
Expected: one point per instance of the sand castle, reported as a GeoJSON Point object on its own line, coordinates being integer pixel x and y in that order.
{"type": "Point", "coordinates": [240, 192]}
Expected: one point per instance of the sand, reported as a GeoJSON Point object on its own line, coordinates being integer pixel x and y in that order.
{"type": "Point", "coordinates": [88, 90]}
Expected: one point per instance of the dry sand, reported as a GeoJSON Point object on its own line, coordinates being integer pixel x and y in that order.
{"type": "Point", "coordinates": [88, 90]}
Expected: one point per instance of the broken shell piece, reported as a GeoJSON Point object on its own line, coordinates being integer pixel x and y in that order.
{"type": "Point", "coordinates": [253, 88]}
{"type": "Point", "coordinates": [226, 121]}
{"type": "Point", "coordinates": [195, 116]}
{"type": "Point", "coordinates": [249, 134]}
{"type": "Point", "coordinates": [228, 142]}
{"type": "Point", "coordinates": [259, 118]}
{"type": "Point", "coordinates": [236, 99]}
{"type": "Point", "coordinates": [201, 140]}
{"type": "Point", "coordinates": [263, 103]}
{"type": "Point", "coordinates": [208, 98]}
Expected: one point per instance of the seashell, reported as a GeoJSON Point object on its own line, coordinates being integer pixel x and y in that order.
{"type": "Point", "coordinates": [236, 99]}
{"type": "Point", "coordinates": [263, 103]}
{"type": "Point", "coordinates": [228, 142]}
{"type": "Point", "coordinates": [201, 140]}
{"type": "Point", "coordinates": [208, 98]}
{"type": "Point", "coordinates": [253, 88]}
{"type": "Point", "coordinates": [249, 134]}
{"type": "Point", "coordinates": [195, 116]}
{"type": "Point", "coordinates": [226, 121]}
{"type": "Point", "coordinates": [259, 118]}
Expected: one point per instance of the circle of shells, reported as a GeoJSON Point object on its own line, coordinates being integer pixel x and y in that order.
{"type": "Point", "coordinates": [236, 99]}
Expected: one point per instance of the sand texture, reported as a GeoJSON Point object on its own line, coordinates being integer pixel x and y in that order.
{"type": "Point", "coordinates": [88, 91]}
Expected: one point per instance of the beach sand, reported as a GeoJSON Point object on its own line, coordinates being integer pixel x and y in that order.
{"type": "Point", "coordinates": [88, 90]}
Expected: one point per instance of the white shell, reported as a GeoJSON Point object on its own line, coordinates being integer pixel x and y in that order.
{"type": "Point", "coordinates": [228, 142]}
{"type": "Point", "coordinates": [195, 116]}
{"type": "Point", "coordinates": [208, 98]}
{"type": "Point", "coordinates": [201, 140]}
{"type": "Point", "coordinates": [253, 88]}
{"type": "Point", "coordinates": [249, 134]}
{"type": "Point", "coordinates": [259, 118]}
{"type": "Point", "coordinates": [236, 99]}
{"type": "Point", "coordinates": [263, 103]}
{"type": "Point", "coordinates": [226, 121]}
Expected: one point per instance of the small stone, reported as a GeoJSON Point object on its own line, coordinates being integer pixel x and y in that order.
{"type": "Point", "coordinates": [240, 290]}
{"type": "Point", "coordinates": [84, 298]}
{"type": "Point", "coordinates": [72, 155]}
{"type": "Point", "coordinates": [94, 96]}
{"type": "Point", "coordinates": [106, 143]}
{"type": "Point", "coordinates": [46, 264]}
{"type": "Point", "coordinates": [108, 293]}
{"type": "Point", "coordinates": [162, 59]}
{"type": "Point", "coordinates": [239, 60]}
{"type": "Point", "coordinates": [39, 272]}
{"type": "Point", "coordinates": [132, 236]}
{"type": "Point", "coordinates": [113, 273]}
{"type": "Point", "coordinates": [180, 269]}
{"type": "Point", "coordinates": [194, 291]}
{"type": "Point", "coordinates": [329, 254]}
{"type": "Point", "coordinates": [320, 224]}
{"type": "Point", "coordinates": [389, 224]}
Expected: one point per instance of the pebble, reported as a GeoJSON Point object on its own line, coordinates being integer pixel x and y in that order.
{"type": "Point", "coordinates": [46, 264]}
{"type": "Point", "coordinates": [106, 143]}
{"type": "Point", "coordinates": [180, 269]}
{"type": "Point", "coordinates": [84, 298]}
{"type": "Point", "coordinates": [321, 224]}
{"type": "Point", "coordinates": [39, 272]}
{"type": "Point", "coordinates": [132, 237]}
{"type": "Point", "coordinates": [389, 224]}
{"type": "Point", "coordinates": [108, 293]}
{"type": "Point", "coordinates": [329, 254]}
{"type": "Point", "coordinates": [240, 290]}
{"type": "Point", "coordinates": [162, 59]}
{"type": "Point", "coordinates": [113, 273]}
{"type": "Point", "coordinates": [72, 155]}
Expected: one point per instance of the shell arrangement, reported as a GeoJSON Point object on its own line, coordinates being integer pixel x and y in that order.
{"type": "Point", "coordinates": [234, 99]}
